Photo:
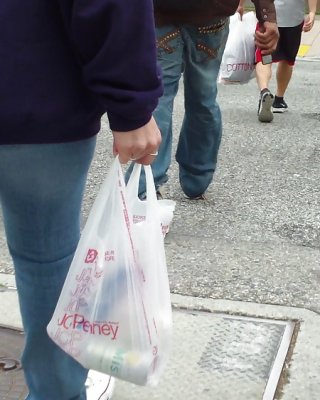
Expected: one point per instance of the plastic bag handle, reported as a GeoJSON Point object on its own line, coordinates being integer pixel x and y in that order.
{"type": "Point", "coordinates": [151, 188]}
{"type": "Point", "coordinates": [133, 184]}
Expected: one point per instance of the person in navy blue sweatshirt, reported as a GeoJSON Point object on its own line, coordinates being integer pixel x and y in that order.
{"type": "Point", "coordinates": [63, 64]}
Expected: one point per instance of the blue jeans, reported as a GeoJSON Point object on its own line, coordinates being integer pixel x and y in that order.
{"type": "Point", "coordinates": [41, 191]}
{"type": "Point", "coordinates": [195, 52]}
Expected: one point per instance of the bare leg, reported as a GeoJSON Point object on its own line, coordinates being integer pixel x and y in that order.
{"type": "Point", "coordinates": [263, 75]}
{"type": "Point", "coordinates": [284, 74]}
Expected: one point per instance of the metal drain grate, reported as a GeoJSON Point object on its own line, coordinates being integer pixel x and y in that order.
{"type": "Point", "coordinates": [221, 357]}
{"type": "Point", "coordinates": [215, 356]}
{"type": "Point", "coordinates": [12, 385]}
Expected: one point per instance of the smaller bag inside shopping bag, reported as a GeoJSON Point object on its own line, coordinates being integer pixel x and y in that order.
{"type": "Point", "coordinates": [238, 60]}
{"type": "Point", "coordinates": [114, 312]}
{"type": "Point", "coordinates": [139, 207]}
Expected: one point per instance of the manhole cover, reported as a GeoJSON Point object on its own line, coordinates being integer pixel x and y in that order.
{"type": "Point", "coordinates": [12, 385]}
{"type": "Point", "coordinates": [221, 357]}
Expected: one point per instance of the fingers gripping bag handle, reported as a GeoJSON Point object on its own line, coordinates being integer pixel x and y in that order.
{"type": "Point", "coordinates": [101, 319]}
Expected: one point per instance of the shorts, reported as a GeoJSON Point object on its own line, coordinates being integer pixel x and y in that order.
{"type": "Point", "coordinates": [288, 45]}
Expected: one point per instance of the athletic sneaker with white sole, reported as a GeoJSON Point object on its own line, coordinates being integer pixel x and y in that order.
{"type": "Point", "coordinates": [279, 105]}
{"type": "Point", "coordinates": [99, 386]}
{"type": "Point", "coordinates": [265, 103]}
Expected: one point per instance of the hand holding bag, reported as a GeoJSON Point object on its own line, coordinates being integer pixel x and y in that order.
{"type": "Point", "coordinates": [114, 312]}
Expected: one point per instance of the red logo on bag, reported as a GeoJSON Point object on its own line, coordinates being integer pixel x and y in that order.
{"type": "Point", "coordinates": [91, 256]}
{"type": "Point", "coordinates": [138, 218]}
{"type": "Point", "coordinates": [78, 322]}
{"type": "Point", "coordinates": [239, 67]}
{"type": "Point", "coordinates": [70, 341]}
{"type": "Point", "coordinates": [109, 255]}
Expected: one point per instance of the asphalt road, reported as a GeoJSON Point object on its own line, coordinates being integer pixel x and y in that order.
{"type": "Point", "coordinates": [257, 237]}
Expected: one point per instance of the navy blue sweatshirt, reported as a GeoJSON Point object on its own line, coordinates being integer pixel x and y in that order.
{"type": "Point", "coordinates": [64, 63]}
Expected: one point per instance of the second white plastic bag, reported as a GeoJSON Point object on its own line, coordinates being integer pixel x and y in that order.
{"type": "Point", "coordinates": [139, 207]}
{"type": "Point", "coordinates": [238, 60]}
{"type": "Point", "coordinates": [114, 312]}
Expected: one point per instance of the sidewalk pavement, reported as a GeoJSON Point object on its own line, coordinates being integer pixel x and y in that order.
{"type": "Point", "coordinates": [232, 357]}
{"type": "Point", "coordinates": [310, 42]}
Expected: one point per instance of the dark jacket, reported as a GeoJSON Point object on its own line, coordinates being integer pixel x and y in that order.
{"type": "Point", "coordinates": [196, 12]}
{"type": "Point", "coordinates": [64, 63]}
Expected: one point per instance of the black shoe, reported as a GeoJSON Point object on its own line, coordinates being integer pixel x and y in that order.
{"type": "Point", "coordinates": [279, 105]}
{"type": "Point", "coordinates": [265, 104]}
{"type": "Point", "coordinates": [159, 193]}
{"type": "Point", "coordinates": [200, 197]}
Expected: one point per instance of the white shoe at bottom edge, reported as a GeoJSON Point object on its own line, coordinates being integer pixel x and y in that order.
{"type": "Point", "coordinates": [99, 386]}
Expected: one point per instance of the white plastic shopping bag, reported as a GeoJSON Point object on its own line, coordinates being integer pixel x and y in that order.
{"type": "Point", "coordinates": [238, 60]}
{"type": "Point", "coordinates": [114, 312]}
{"type": "Point", "coordinates": [166, 207]}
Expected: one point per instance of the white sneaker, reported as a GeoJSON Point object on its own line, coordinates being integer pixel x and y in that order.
{"type": "Point", "coordinates": [99, 386]}
{"type": "Point", "coordinates": [265, 104]}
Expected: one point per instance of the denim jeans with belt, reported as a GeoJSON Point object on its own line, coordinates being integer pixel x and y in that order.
{"type": "Point", "coordinates": [41, 191]}
{"type": "Point", "coordinates": [195, 52]}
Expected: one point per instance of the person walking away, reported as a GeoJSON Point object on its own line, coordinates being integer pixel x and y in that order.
{"type": "Point", "coordinates": [63, 64]}
{"type": "Point", "coordinates": [291, 22]}
{"type": "Point", "coordinates": [191, 37]}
